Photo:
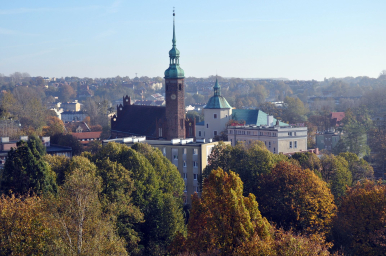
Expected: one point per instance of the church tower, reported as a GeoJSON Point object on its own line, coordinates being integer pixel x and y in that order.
{"type": "Point", "coordinates": [175, 93]}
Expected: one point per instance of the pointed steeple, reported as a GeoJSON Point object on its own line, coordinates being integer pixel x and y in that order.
{"type": "Point", "coordinates": [174, 30]}
{"type": "Point", "coordinates": [217, 88]}
{"type": "Point", "coordinates": [174, 70]}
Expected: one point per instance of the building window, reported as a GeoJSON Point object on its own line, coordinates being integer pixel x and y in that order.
{"type": "Point", "coordinates": [207, 125]}
{"type": "Point", "coordinates": [215, 116]}
{"type": "Point", "coordinates": [184, 175]}
{"type": "Point", "coordinates": [294, 133]}
{"type": "Point", "coordinates": [195, 164]}
{"type": "Point", "coordinates": [182, 123]}
{"type": "Point", "coordinates": [274, 150]}
{"type": "Point", "coordinates": [164, 151]}
{"type": "Point", "coordinates": [195, 176]}
{"type": "Point", "coordinates": [290, 144]}
{"type": "Point", "coordinates": [184, 151]}
{"type": "Point", "coordinates": [199, 134]}
{"type": "Point", "coordinates": [184, 164]}
{"type": "Point", "coordinates": [215, 133]}
{"type": "Point", "coordinates": [295, 144]}
{"type": "Point", "coordinates": [197, 189]}
{"type": "Point", "coordinates": [195, 151]}
{"type": "Point", "coordinates": [185, 189]}
{"type": "Point", "coordinates": [289, 133]}
{"type": "Point", "coordinates": [160, 132]}
{"type": "Point", "coordinates": [269, 144]}
{"type": "Point", "coordinates": [180, 87]}
{"type": "Point", "coordinates": [175, 157]}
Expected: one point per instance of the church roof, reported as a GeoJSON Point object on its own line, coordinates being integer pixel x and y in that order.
{"type": "Point", "coordinates": [139, 120]}
{"type": "Point", "coordinates": [217, 101]}
{"type": "Point", "coordinates": [252, 117]}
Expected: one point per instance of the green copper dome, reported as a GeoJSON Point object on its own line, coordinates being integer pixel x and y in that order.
{"type": "Point", "coordinates": [217, 101]}
{"type": "Point", "coordinates": [174, 70]}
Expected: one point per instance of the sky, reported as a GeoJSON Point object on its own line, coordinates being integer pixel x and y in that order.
{"type": "Point", "coordinates": [248, 39]}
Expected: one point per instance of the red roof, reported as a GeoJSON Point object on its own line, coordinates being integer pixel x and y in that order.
{"type": "Point", "coordinates": [86, 135]}
{"type": "Point", "coordinates": [336, 118]}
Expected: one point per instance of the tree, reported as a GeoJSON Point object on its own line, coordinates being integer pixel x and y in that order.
{"type": "Point", "coordinates": [67, 140]}
{"type": "Point", "coordinates": [336, 173]}
{"type": "Point", "coordinates": [222, 220]}
{"type": "Point", "coordinates": [295, 110]}
{"type": "Point", "coordinates": [77, 215]}
{"type": "Point", "coordinates": [308, 160]}
{"type": "Point", "coordinates": [54, 126]}
{"type": "Point", "coordinates": [296, 199]}
{"type": "Point", "coordinates": [247, 161]}
{"type": "Point", "coordinates": [360, 226]}
{"type": "Point", "coordinates": [24, 226]}
{"type": "Point", "coordinates": [66, 93]}
{"type": "Point", "coordinates": [158, 193]}
{"type": "Point", "coordinates": [25, 170]}
{"type": "Point", "coordinates": [359, 168]}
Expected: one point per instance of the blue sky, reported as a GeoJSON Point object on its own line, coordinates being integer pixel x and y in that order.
{"type": "Point", "coordinates": [248, 39]}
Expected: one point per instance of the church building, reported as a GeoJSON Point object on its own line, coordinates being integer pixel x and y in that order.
{"type": "Point", "coordinates": [218, 113]}
{"type": "Point", "coordinates": [158, 122]}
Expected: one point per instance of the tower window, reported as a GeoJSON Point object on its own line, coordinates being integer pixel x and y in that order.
{"type": "Point", "coordinates": [180, 87]}
{"type": "Point", "coordinates": [207, 125]}
{"type": "Point", "coordinates": [182, 123]}
{"type": "Point", "coordinates": [215, 116]}
{"type": "Point", "coordinates": [199, 133]}
{"type": "Point", "coordinates": [215, 133]}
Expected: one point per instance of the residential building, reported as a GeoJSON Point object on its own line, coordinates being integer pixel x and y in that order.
{"type": "Point", "coordinates": [71, 106]}
{"type": "Point", "coordinates": [218, 112]}
{"type": "Point", "coordinates": [86, 137]}
{"type": "Point", "coordinates": [70, 116]}
{"type": "Point", "coordinates": [188, 156]}
{"type": "Point", "coordinates": [277, 138]}
{"type": "Point", "coordinates": [327, 140]}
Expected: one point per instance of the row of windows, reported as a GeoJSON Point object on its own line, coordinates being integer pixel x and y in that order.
{"type": "Point", "coordinates": [195, 152]}
{"type": "Point", "coordinates": [215, 133]}
{"type": "Point", "coordinates": [243, 132]}
{"type": "Point", "coordinates": [185, 176]}
{"type": "Point", "coordinates": [195, 164]}
{"type": "Point", "coordinates": [295, 144]}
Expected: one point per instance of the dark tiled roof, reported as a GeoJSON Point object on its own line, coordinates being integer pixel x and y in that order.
{"type": "Point", "coordinates": [139, 120]}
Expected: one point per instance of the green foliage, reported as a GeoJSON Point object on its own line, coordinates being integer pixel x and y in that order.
{"type": "Point", "coordinates": [247, 161]}
{"type": "Point", "coordinates": [158, 193]}
{"type": "Point", "coordinates": [308, 160]}
{"type": "Point", "coordinates": [296, 199]}
{"type": "Point", "coordinates": [77, 217]}
{"type": "Point", "coordinates": [295, 110]}
{"type": "Point", "coordinates": [59, 165]}
{"type": "Point", "coordinates": [38, 144]}
{"type": "Point", "coordinates": [336, 173]}
{"type": "Point", "coordinates": [25, 170]}
{"type": "Point", "coordinates": [67, 140]}
{"type": "Point", "coordinates": [355, 128]}
{"type": "Point", "coordinates": [359, 168]}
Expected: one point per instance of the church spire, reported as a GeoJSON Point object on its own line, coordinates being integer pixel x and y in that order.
{"type": "Point", "coordinates": [217, 88]}
{"type": "Point", "coordinates": [174, 70]}
{"type": "Point", "coordinates": [174, 29]}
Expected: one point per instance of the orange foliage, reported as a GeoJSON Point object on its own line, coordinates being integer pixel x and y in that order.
{"type": "Point", "coordinates": [361, 223]}
{"type": "Point", "coordinates": [296, 199]}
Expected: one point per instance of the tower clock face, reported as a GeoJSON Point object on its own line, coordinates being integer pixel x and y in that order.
{"type": "Point", "coordinates": [173, 96]}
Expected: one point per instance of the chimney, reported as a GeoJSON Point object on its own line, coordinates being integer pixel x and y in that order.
{"type": "Point", "coordinates": [270, 120]}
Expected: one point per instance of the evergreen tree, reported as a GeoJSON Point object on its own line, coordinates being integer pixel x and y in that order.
{"type": "Point", "coordinates": [25, 170]}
